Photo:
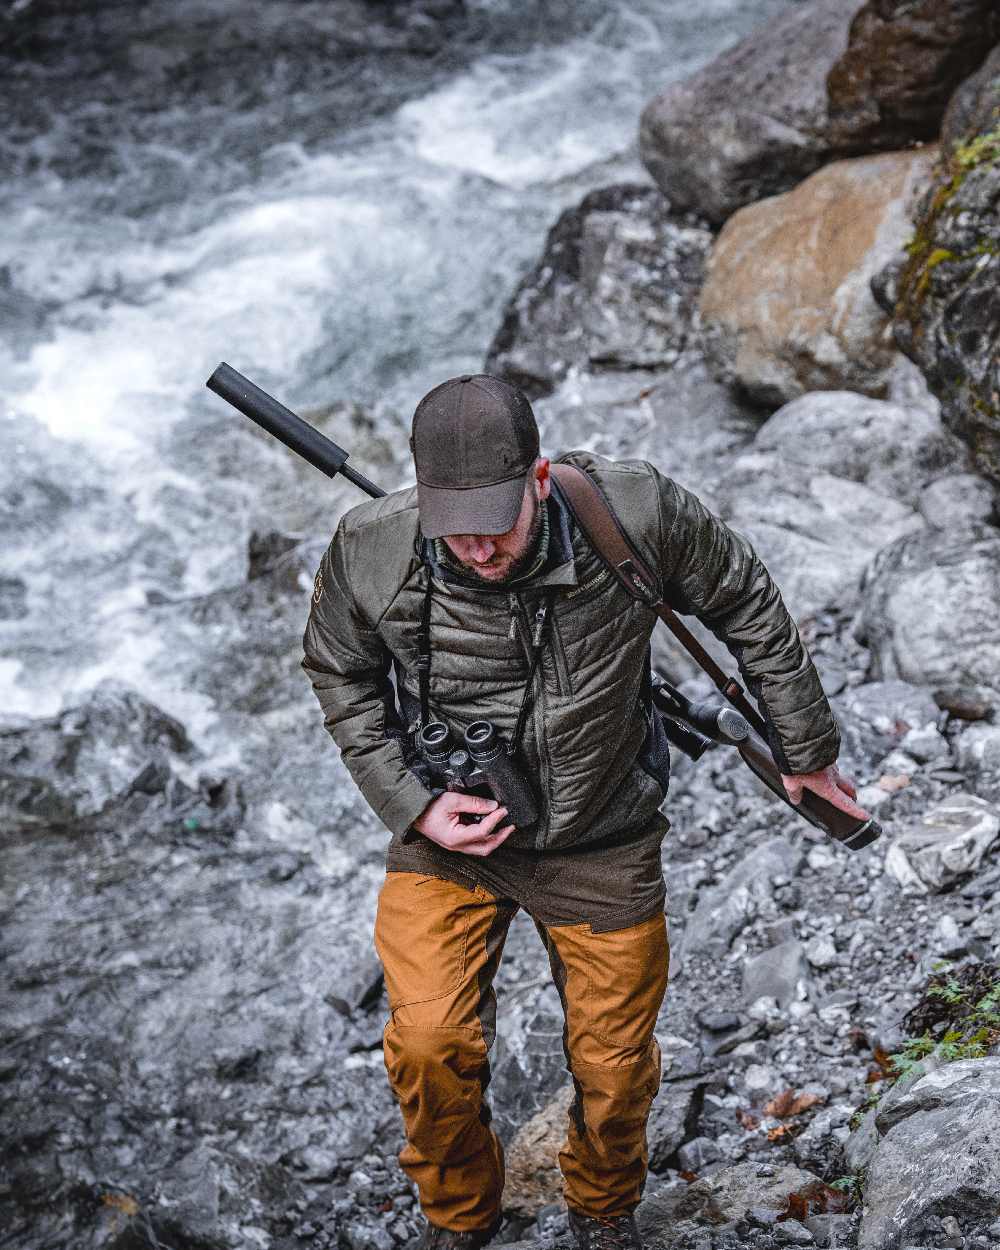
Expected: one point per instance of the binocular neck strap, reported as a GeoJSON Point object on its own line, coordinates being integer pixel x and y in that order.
{"type": "Point", "coordinates": [424, 654]}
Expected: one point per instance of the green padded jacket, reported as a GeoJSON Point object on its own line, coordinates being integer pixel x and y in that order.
{"type": "Point", "coordinates": [588, 723]}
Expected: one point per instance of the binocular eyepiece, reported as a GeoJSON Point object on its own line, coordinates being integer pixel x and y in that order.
{"type": "Point", "coordinates": [482, 762]}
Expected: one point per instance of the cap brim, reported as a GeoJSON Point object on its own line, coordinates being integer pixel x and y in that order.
{"type": "Point", "coordinates": [473, 510]}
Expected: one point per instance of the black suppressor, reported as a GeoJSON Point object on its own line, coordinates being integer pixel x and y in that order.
{"type": "Point", "coordinates": [483, 765]}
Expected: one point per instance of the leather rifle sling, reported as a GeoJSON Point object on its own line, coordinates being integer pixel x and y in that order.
{"type": "Point", "coordinates": [600, 523]}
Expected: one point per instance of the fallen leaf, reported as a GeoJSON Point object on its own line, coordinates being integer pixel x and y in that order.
{"type": "Point", "coordinates": [688, 1176]}
{"type": "Point", "coordinates": [747, 1119]}
{"type": "Point", "coordinates": [891, 782]}
{"type": "Point", "coordinates": [782, 1131]}
{"type": "Point", "coordinates": [121, 1202]}
{"type": "Point", "coordinates": [789, 1103]}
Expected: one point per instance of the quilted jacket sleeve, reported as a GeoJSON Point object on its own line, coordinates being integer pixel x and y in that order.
{"type": "Point", "coordinates": [713, 572]}
{"type": "Point", "coordinates": [348, 665]}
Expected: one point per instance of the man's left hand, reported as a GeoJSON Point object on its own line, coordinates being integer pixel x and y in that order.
{"type": "Point", "coordinates": [829, 784]}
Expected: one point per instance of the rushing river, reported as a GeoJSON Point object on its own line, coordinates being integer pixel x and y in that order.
{"type": "Point", "coordinates": [337, 198]}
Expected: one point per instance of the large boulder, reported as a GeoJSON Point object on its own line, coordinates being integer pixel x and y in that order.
{"type": "Point", "coordinates": [844, 475]}
{"type": "Point", "coordinates": [945, 293]}
{"type": "Point", "coordinates": [753, 122]}
{"type": "Point", "coordinates": [902, 62]}
{"type": "Point", "coordinates": [787, 302]}
{"type": "Point", "coordinates": [931, 608]}
{"type": "Point", "coordinates": [615, 288]}
{"type": "Point", "coordinates": [822, 81]}
{"type": "Point", "coordinates": [946, 846]}
{"type": "Point", "coordinates": [939, 1156]}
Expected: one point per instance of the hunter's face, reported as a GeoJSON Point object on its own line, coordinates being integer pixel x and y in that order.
{"type": "Point", "coordinates": [497, 557]}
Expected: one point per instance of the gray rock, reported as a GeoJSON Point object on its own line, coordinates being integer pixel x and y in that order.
{"type": "Point", "coordinates": [725, 909]}
{"type": "Point", "coordinates": [819, 1147]}
{"type": "Point", "coordinates": [792, 1233]}
{"type": "Point", "coordinates": [615, 287]}
{"type": "Point", "coordinates": [751, 123]}
{"type": "Point", "coordinates": [673, 1120]}
{"type": "Point", "coordinates": [945, 294]}
{"type": "Point", "coordinates": [931, 608]}
{"type": "Point", "coordinates": [875, 718]}
{"type": "Point", "coordinates": [815, 531]}
{"type": "Point", "coordinates": [899, 450]}
{"type": "Point", "coordinates": [695, 1155]}
{"type": "Point", "coordinates": [948, 844]}
{"type": "Point", "coordinates": [965, 1081]}
{"type": "Point", "coordinates": [956, 500]}
{"type": "Point", "coordinates": [939, 1156]}
{"type": "Point", "coordinates": [775, 973]}
{"type": "Point", "coordinates": [821, 951]}
{"type": "Point", "coordinates": [830, 1232]}
{"type": "Point", "coordinates": [732, 1192]}
{"type": "Point", "coordinates": [979, 750]}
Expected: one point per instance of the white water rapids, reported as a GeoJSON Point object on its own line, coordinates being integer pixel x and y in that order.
{"type": "Point", "coordinates": [162, 214]}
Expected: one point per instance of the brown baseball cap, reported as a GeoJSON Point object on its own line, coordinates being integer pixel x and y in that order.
{"type": "Point", "coordinates": [474, 440]}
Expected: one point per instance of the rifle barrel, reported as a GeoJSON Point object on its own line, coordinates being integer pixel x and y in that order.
{"type": "Point", "coordinates": [279, 421]}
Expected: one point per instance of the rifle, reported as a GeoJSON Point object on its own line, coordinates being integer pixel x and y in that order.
{"type": "Point", "coordinates": [689, 725]}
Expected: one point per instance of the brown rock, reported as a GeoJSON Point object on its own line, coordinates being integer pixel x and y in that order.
{"type": "Point", "coordinates": [902, 62]}
{"type": "Point", "coordinates": [533, 1176]}
{"type": "Point", "coordinates": [787, 303]}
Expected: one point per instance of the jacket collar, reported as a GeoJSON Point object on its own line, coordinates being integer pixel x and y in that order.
{"type": "Point", "coordinates": [558, 570]}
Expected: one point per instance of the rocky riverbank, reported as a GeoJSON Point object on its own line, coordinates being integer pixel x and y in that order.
{"type": "Point", "coordinates": [191, 1010]}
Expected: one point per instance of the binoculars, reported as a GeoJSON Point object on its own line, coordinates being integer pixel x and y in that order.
{"type": "Point", "coordinates": [482, 764]}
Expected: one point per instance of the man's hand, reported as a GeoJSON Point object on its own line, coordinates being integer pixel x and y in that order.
{"type": "Point", "coordinates": [829, 784]}
{"type": "Point", "coordinates": [440, 821]}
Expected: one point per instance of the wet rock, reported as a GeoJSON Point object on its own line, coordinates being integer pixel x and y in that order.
{"type": "Point", "coordinates": [876, 717]}
{"type": "Point", "coordinates": [732, 1192]}
{"type": "Point", "coordinates": [899, 450]}
{"type": "Point", "coordinates": [816, 532]}
{"type": "Point", "coordinates": [753, 122]}
{"type": "Point", "coordinates": [979, 750]}
{"type": "Point", "coordinates": [774, 973]}
{"type": "Point", "coordinates": [697, 1154]}
{"type": "Point", "coordinates": [830, 1232]}
{"type": "Point", "coordinates": [533, 1176]}
{"type": "Point", "coordinates": [819, 1147]}
{"type": "Point", "coordinates": [931, 608]}
{"type": "Point", "coordinates": [957, 500]}
{"type": "Point", "coordinates": [945, 294]}
{"type": "Point", "coordinates": [616, 287]}
{"type": "Point", "coordinates": [938, 1156]}
{"type": "Point", "coordinates": [74, 765]}
{"type": "Point", "coordinates": [787, 304]}
{"type": "Point", "coordinates": [725, 909]}
{"type": "Point", "coordinates": [673, 1120]}
{"type": "Point", "coordinates": [902, 62]}
{"type": "Point", "coordinates": [947, 844]}
{"type": "Point", "coordinates": [13, 598]}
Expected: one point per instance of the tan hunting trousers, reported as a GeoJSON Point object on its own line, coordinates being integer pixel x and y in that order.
{"type": "Point", "coordinates": [440, 944]}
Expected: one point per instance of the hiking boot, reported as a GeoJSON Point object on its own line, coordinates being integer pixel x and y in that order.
{"type": "Point", "coordinates": [618, 1232]}
{"type": "Point", "coordinates": [435, 1238]}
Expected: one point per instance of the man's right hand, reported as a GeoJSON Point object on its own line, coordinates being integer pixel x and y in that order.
{"type": "Point", "coordinates": [441, 822]}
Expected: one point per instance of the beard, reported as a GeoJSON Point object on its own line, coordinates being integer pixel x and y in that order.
{"type": "Point", "coordinates": [522, 563]}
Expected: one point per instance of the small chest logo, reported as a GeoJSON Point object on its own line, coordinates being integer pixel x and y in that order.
{"type": "Point", "coordinates": [318, 587]}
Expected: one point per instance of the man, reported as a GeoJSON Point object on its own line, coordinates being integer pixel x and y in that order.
{"type": "Point", "coordinates": [476, 597]}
